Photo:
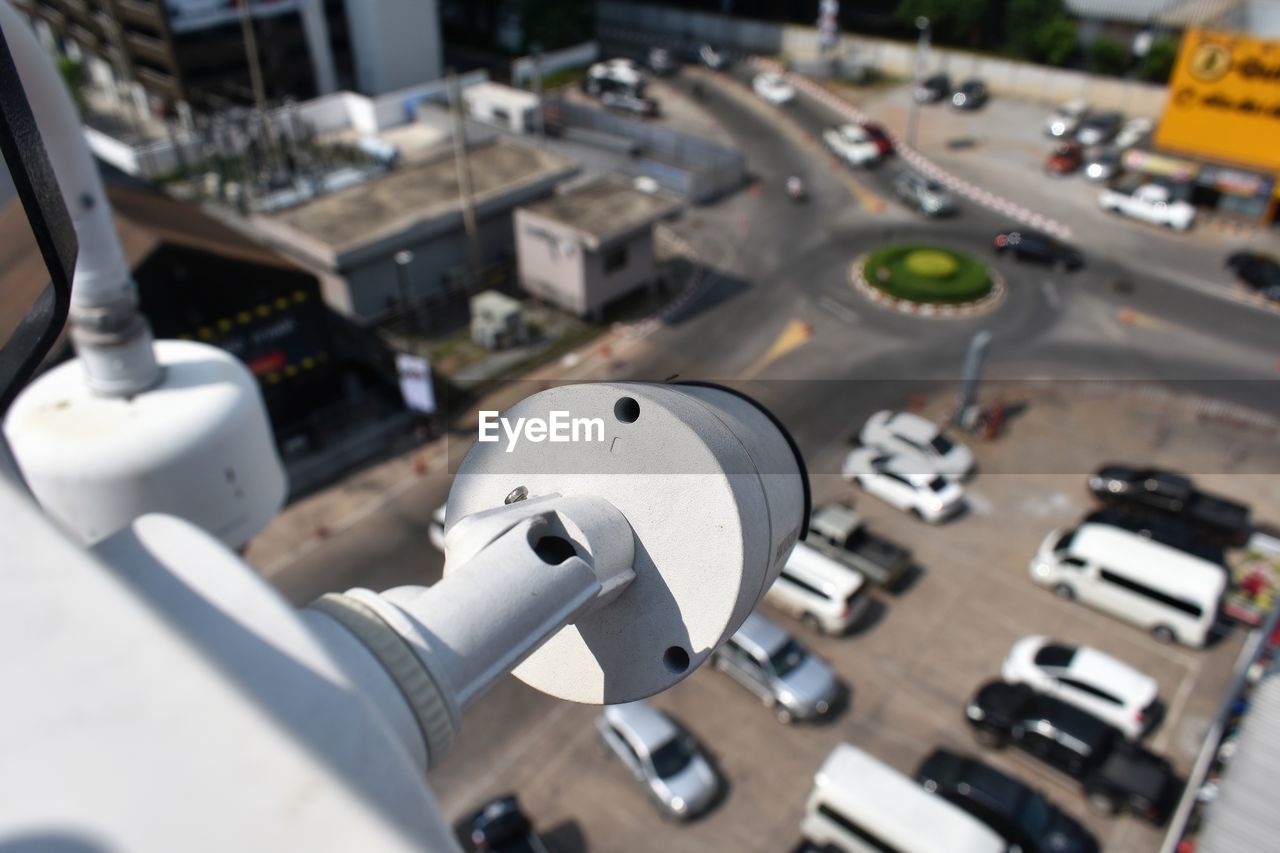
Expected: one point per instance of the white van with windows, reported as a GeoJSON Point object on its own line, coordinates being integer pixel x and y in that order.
{"type": "Point", "coordinates": [1172, 594]}
{"type": "Point", "coordinates": [859, 805]}
{"type": "Point", "coordinates": [824, 594]}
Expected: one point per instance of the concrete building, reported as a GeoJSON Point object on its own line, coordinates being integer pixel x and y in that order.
{"type": "Point", "coordinates": [193, 51]}
{"type": "Point", "coordinates": [350, 238]}
{"type": "Point", "coordinates": [589, 247]}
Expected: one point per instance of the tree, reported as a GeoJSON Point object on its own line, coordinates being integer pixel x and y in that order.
{"type": "Point", "coordinates": [75, 77]}
{"type": "Point", "coordinates": [1108, 56]}
{"type": "Point", "coordinates": [1055, 42]}
{"type": "Point", "coordinates": [1157, 65]}
{"type": "Point", "coordinates": [1023, 21]}
{"type": "Point", "coordinates": [955, 21]}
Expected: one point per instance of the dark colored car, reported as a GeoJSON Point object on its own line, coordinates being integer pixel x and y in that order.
{"type": "Point", "coordinates": [1099, 128]}
{"type": "Point", "coordinates": [1258, 272]}
{"type": "Point", "coordinates": [1159, 527]}
{"type": "Point", "coordinates": [1020, 814]}
{"type": "Point", "coordinates": [1114, 772]}
{"type": "Point", "coordinates": [877, 133]}
{"type": "Point", "coordinates": [1172, 493]}
{"type": "Point", "coordinates": [1040, 248]}
{"type": "Point", "coordinates": [1065, 158]}
{"type": "Point", "coordinates": [932, 89]}
{"type": "Point", "coordinates": [500, 827]}
{"type": "Point", "coordinates": [971, 95]}
{"type": "Point", "coordinates": [625, 102]}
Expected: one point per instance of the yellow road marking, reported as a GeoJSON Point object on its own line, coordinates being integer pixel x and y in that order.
{"type": "Point", "coordinates": [794, 336]}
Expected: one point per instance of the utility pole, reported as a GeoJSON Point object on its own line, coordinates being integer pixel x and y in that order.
{"type": "Point", "coordinates": [463, 163]}
{"type": "Point", "coordinates": [922, 54]}
{"type": "Point", "coordinates": [540, 125]}
{"type": "Point", "coordinates": [251, 52]}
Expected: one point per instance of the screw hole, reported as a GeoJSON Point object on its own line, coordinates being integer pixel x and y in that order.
{"type": "Point", "coordinates": [675, 659]}
{"type": "Point", "coordinates": [553, 550]}
{"type": "Point", "coordinates": [626, 410]}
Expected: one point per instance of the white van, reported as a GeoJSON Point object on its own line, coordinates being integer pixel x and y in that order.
{"type": "Point", "coordinates": [1168, 592]}
{"type": "Point", "coordinates": [823, 593]}
{"type": "Point", "coordinates": [859, 805]}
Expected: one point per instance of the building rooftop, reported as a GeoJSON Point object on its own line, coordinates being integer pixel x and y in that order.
{"type": "Point", "coordinates": [606, 208]}
{"type": "Point", "coordinates": [419, 192]}
{"type": "Point", "coordinates": [1172, 13]}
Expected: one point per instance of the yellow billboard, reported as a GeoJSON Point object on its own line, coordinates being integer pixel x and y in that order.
{"type": "Point", "coordinates": [1224, 100]}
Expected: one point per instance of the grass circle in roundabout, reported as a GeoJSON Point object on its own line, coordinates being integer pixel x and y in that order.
{"type": "Point", "coordinates": [927, 275]}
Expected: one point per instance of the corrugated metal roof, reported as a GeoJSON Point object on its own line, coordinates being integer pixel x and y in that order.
{"type": "Point", "coordinates": [1172, 13]}
{"type": "Point", "coordinates": [1245, 818]}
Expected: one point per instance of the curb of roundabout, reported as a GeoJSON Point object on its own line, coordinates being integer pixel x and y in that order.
{"type": "Point", "coordinates": [986, 304]}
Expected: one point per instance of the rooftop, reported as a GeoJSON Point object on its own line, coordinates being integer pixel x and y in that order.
{"type": "Point", "coordinates": [606, 208]}
{"type": "Point", "coordinates": [1173, 13]}
{"type": "Point", "coordinates": [419, 192]}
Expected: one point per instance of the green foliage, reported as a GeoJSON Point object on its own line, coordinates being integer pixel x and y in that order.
{"type": "Point", "coordinates": [554, 24]}
{"type": "Point", "coordinates": [889, 270]}
{"type": "Point", "coordinates": [1157, 65]}
{"type": "Point", "coordinates": [1108, 56]}
{"type": "Point", "coordinates": [75, 77]}
{"type": "Point", "coordinates": [955, 21]}
{"type": "Point", "coordinates": [1023, 21]}
{"type": "Point", "coordinates": [1055, 42]}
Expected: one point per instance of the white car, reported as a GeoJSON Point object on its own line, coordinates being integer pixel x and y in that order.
{"type": "Point", "coordinates": [852, 144]}
{"type": "Point", "coordinates": [774, 88]}
{"type": "Point", "coordinates": [661, 756]}
{"type": "Point", "coordinates": [906, 481]}
{"type": "Point", "coordinates": [1133, 132]}
{"type": "Point", "coordinates": [1150, 203]}
{"type": "Point", "coordinates": [1064, 121]}
{"type": "Point", "coordinates": [1108, 688]}
{"type": "Point", "coordinates": [904, 432]}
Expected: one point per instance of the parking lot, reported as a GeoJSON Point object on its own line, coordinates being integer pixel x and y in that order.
{"type": "Point", "coordinates": [918, 656]}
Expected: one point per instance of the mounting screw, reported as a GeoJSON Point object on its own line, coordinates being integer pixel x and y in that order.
{"type": "Point", "coordinates": [517, 494]}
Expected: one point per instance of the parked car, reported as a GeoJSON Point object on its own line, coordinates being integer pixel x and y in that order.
{"type": "Point", "coordinates": [924, 194]}
{"type": "Point", "coordinates": [774, 88]}
{"type": "Point", "coordinates": [1099, 128]}
{"type": "Point", "coordinates": [904, 480]}
{"type": "Point", "coordinates": [614, 75]}
{"type": "Point", "coordinates": [890, 430]}
{"type": "Point", "coordinates": [772, 664]}
{"type": "Point", "coordinates": [1064, 121]}
{"type": "Point", "coordinates": [879, 136]}
{"type": "Point", "coordinates": [841, 534]}
{"type": "Point", "coordinates": [1106, 687]}
{"type": "Point", "coordinates": [1133, 132]}
{"type": "Point", "coordinates": [1065, 158]}
{"type": "Point", "coordinates": [1114, 772]}
{"type": "Point", "coordinates": [1260, 273]}
{"type": "Point", "coordinates": [1103, 164]}
{"type": "Point", "coordinates": [1151, 203]}
{"type": "Point", "coordinates": [1023, 816]}
{"type": "Point", "coordinates": [824, 593]}
{"type": "Point", "coordinates": [852, 144]}
{"type": "Point", "coordinates": [1175, 494]}
{"type": "Point", "coordinates": [661, 756]}
{"type": "Point", "coordinates": [712, 58]}
{"type": "Point", "coordinates": [861, 805]}
{"type": "Point", "coordinates": [632, 104]}
{"type": "Point", "coordinates": [932, 89]}
{"type": "Point", "coordinates": [662, 61]}
{"type": "Point", "coordinates": [971, 95]}
{"type": "Point", "coordinates": [500, 826]}
{"type": "Point", "coordinates": [1028, 245]}
{"type": "Point", "coordinates": [1172, 594]}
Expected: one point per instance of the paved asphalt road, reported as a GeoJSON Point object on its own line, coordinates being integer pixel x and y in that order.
{"type": "Point", "coordinates": [774, 264]}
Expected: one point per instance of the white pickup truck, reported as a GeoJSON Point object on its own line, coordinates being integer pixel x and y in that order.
{"type": "Point", "coordinates": [1150, 203]}
{"type": "Point", "coordinates": [852, 144]}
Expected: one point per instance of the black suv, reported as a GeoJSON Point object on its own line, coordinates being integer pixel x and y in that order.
{"type": "Point", "coordinates": [1022, 815]}
{"type": "Point", "coordinates": [1041, 248]}
{"type": "Point", "coordinates": [1114, 772]}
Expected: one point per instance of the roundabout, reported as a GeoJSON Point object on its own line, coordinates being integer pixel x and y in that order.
{"type": "Point", "coordinates": [927, 280]}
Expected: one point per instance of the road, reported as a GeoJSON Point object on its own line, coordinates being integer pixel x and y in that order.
{"type": "Point", "coordinates": [776, 267]}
